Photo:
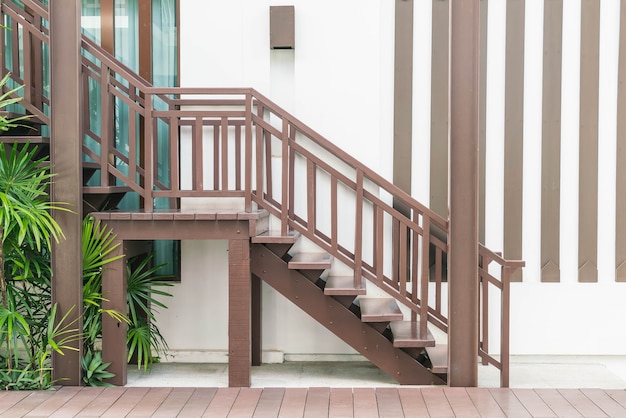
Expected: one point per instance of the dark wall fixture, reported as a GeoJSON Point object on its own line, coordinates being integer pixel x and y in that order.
{"type": "Point", "coordinates": [282, 27]}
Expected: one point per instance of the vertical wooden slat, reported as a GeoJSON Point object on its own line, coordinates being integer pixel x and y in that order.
{"type": "Point", "coordinates": [224, 129]}
{"type": "Point", "coordinates": [292, 168]}
{"type": "Point", "coordinates": [267, 136]}
{"type": "Point", "coordinates": [403, 94]}
{"type": "Point", "coordinates": [380, 248]}
{"type": "Point", "coordinates": [333, 215]}
{"type": "Point", "coordinates": [107, 26]}
{"type": "Point", "coordinates": [15, 49]}
{"type": "Point", "coordinates": [217, 161]}
{"type": "Point", "coordinates": [620, 192]}
{"type": "Point", "coordinates": [174, 156]}
{"type": "Point", "coordinates": [27, 59]}
{"type": "Point", "coordinates": [238, 157]}
{"type": "Point", "coordinates": [439, 108]}
{"type": "Point", "coordinates": [148, 149]}
{"type": "Point", "coordinates": [284, 198]}
{"type": "Point", "coordinates": [358, 231]}
{"type": "Point", "coordinates": [482, 131]}
{"type": "Point", "coordinates": [402, 278]}
{"type": "Point", "coordinates": [248, 154]}
{"type": "Point", "coordinates": [551, 140]}
{"type": "Point", "coordinates": [485, 308]}
{"type": "Point", "coordinates": [438, 277]}
{"type": "Point", "coordinates": [259, 154]}
{"type": "Point", "coordinates": [504, 327]}
{"type": "Point", "coordinates": [106, 128]}
{"type": "Point", "coordinates": [514, 128]}
{"type": "Point", "coordinates": [132, 143]}
{"type": "Point", "coordinates": [588, 145]}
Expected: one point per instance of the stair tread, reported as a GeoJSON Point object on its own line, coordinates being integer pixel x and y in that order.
{"type": "Point", "coordinates": [380, 310]}
{"type": "Point", "coordinates": [23, 139]}
{"type": "Point", "coordinates": [91, 164]}
{"type": "Point", "coordinates": [406, 334]}
{"type": "Point", "coordinates": [439, 358]}
{"type": "Point", "coordinates": [276, 237]}
{"type": "Point", "coordinates": [106, 189]}
{"type": "Point", "coordinates": [343, 286]}
{"type": "Point", "coordinates": [310, 261]}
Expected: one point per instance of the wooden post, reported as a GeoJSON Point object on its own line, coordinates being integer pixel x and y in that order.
{"type": "Point", "coordinates": [463, 254]}
{"type": "Point", "coordinates": [239, 300]}
{"type": "Point", "coordinates": [65, 155]}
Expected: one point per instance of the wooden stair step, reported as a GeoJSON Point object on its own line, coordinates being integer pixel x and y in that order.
{"type": "Point", "coordinates": [406, 334]}
{"type": "Point", "coordinates": [310, 261]}
{"type": "Point", "coordinates": [276, 237]}
{"type": "Point", "coordinates": [343, 286]}
{"type": "Point", "coordinates": [380, 310]}
{"type": "Point", "coordinates": [439, 358]}
{"type": "Point", "coordinates": [23, 139]}
{"type": "Point", "coordinates": [106, 189]}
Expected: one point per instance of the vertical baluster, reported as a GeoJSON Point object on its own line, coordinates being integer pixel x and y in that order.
{"type": "Point", "coordinates": [224, 129]}
{"type": "Point", "coordinates": [404, 250]}
{"type": "Point", "coordinates": [415, 258]}
{"type": "Point", "coordinates": [196, 149]}
{"type": "Point", "coordinates": [267, 142]}
{"type": "Point", "coordinates": [259, 154]}
{"type": "Point", "coordinates": [379, 243]}
{"type": "Point", "coordinates": [292, 172]}
{"type": "Point", "coordinates": [284, 197]}
{"type": "Point", "coordinates": [27, 55]}
{"type": "Point", "coordinates": [37, 65]}
{"type": "Point", "coordinates": [311, 175]}
{"type": "Point", "coordinates": [216, 155]}
{"type": "Point", "coordinates": [358, 229]}
{"type": "Point", "coordinates": [132, 136]}
{"type": "Point", "coordinates": [106, 125]}
{"type": "Point", "coordinates": [248, 152]}
{"type": "Point", "coordinates": [333, 214]}
{"type": "Point", "coordinates": [425, 276]}
{"type": "Point", "coordinates": [238, 158]}
{"type": "Point", "coordinates": [150, 168]}
{"type": "Point", "coordinates": [174, 157]}
{"type": "Point", "coordinates": [15, 49]}
{"type": "Point", "coordinates": [504, 331]}
{"type": "Point", "coordinates": [438, 277]}
{"type": "Point", "coordinates": [484, 303]}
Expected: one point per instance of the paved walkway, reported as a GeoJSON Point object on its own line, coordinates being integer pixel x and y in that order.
{"type": "Point", "coordinates": [392, 402]}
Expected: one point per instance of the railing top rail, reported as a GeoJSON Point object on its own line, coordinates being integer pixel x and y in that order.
{"type": "Point", "coordinates": [484, 251]}
{"type": "Point", "coordinates": [36, 7]}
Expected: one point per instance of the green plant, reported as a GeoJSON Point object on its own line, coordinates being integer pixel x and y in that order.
{"type": "Point", "coordinates": [144, 338]}
{"type": "Point", "coordinates": [95, 373]}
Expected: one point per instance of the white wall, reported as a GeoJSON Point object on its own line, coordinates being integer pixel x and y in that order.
{"type": "Point", "coordinates": [339, 80]}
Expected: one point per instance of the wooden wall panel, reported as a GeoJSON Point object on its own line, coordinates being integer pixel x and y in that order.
{"type": "Point", "coordinates": [551, 140]}
{"type": "Point", "coordinates": [513, 131]}
{"type": "Point", "coordinates": [482, 129]}
{"type": "Point", "coordinates": [620, 192]}
{"type": "Point", "coordinates": [588, 145]}
{"type": "Point", "coordinates": [439, 108]}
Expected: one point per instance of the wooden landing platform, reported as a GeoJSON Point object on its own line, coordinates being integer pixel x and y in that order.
{"type": "Point", "coordinates": [315, 402]}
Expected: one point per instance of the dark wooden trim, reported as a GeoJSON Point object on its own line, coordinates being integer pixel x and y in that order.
{"type": "Point", "coordinates": [514, 132]}
{"type": "Point", "coordinates": [463, 255]}
{"type": "Point", "coordinates": [439, 108]}
{"type": "Point", "coordinates": [256, 321]}
{"type": "Point", "coordinates": [588, 145]}
{"type": "Point", "coordinates": [551, 141]}
{"type": "Point", "coordinates": [482, 147]}
{"type": "Point", "coordinates": [65, 154]}
{"type": "Point", "coordinates": [403, 95]}
{"type": "Point", "coordinates": [620, 192]}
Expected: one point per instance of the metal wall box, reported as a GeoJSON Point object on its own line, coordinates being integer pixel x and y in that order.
{"type": "Point", "coordinates": [282, 27]}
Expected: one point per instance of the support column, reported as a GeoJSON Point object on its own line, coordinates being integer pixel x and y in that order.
{"type": "Point", "coordinates": [239, 308]}
{"type": "Point", "coordinates": [65, 155]}
{"type": "Point", "coordinates": [114, 332]}
{"type": "Point", "coordinates": [463, 252]}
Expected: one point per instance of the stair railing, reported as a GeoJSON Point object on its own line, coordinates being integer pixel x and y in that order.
{"type": "Point", "coordinates": [237, 143]}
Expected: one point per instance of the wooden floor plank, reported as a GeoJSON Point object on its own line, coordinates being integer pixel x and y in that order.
{"type": "Point", "coordinates": [198, 402]}
{"type": "Point", "coordinates": [485, 403]}
{"type": "Point", "coordinates": [533, 403]}
{"type": "Point", "coordinates": [221, 403]}
{"type": "Point", "coordinates": [413, 403]}
{"type": "Point", "coordinates": [150, 402]}
{"type": "Point", "coordinates": [605, 402]}
{"type": "Point", "coordinates": [19, 403]}
{"type": "Point", "coordinates": [618, 396]}
{"type": "Point", "coordinates": [78, 402]}
{"type": "Point", "coordinates": [365, 404]}
{"type": "Point", "coordinates": [174, 403]}
{"type": "Point", "coordinates": [509, 403]}
{"type": "Point", "coordinates": [269, 403]}
{"type": "Point", "coordinates": [436, 402]}
{"type": "Point", "coordinates": [57, 400]}
{"type": "Point", "coordinates": [317, 403]}
{"type": "Point", "coordinates": [102, 403]}
{"type": "Point", "coordinates": [389, 404]}
{"type": "Point", "coordinates": [126, 402]}
{"type": "Point", "coordinates": [460, 402]}
{"type": "Point", "coordinates": [583, 404]}
{"type": "Point", "coordinates": [341, 404]}
{"type": "Point", "coordinates": [246, 403]}
{"type": "Point", "coordinates": [293, 404]}
{"type": "Point", "coordinates": [557, 403]}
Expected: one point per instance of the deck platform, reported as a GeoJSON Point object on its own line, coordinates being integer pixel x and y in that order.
{"type": "Point", "coordinates": [318, 402]}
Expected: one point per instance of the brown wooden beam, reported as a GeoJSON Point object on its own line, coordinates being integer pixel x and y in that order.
{"type": "Point", "coordinates": [620, 192]}
{"type": "Point", "coordinates": [484, 12]}
{"type": "Point", "coordinates": [239, 311]}
{"type": "Point", "coordinates": [463, 253]}
{"type": "Point", "coordinates": [65, 154]}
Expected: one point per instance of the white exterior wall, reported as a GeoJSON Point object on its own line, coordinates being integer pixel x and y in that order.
{"type": "Point", "coordinates": [339, 80]}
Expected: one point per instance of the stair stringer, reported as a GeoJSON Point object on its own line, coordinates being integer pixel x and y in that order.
{"type": "Point", "coordinates": [338, 319]}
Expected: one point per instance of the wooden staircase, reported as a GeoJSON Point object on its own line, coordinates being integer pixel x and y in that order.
{"type": "Point", "coordinates": [273, 162]}
{"type": "Point", "coordinates": [373, 326]}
